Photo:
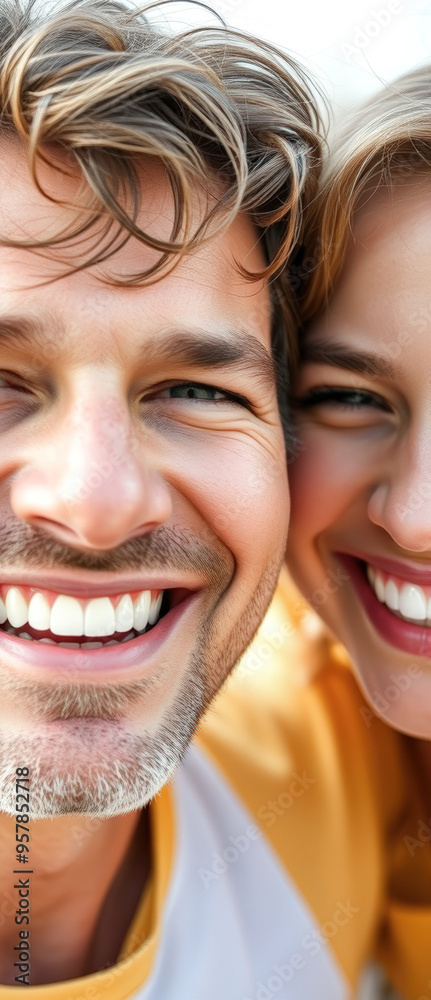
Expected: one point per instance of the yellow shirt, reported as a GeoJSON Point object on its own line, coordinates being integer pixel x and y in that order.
{"type": "Point", "coordinates": [280, 866]}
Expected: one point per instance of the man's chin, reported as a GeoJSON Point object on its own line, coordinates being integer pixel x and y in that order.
{"type": "Point", "coordinates": [85, 754]}
{"type": "Point", "coordinates": [88, 766]}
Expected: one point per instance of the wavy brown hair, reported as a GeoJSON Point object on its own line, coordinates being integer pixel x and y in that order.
{"type": "Point", "coordinates": [213, 107]}
{"type": "Point", "coordinates": [386, 142]}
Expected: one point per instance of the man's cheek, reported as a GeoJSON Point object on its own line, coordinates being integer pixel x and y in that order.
{"type": "Point", "coordinates": [253, 515]}
{"type": "Point", "coordinates": [239, 490]}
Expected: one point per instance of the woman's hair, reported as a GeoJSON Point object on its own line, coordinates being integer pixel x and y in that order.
{"type": "Point", "coordinates": [217, 110]}
{"type": "Point", "coordinates": [384, 143]}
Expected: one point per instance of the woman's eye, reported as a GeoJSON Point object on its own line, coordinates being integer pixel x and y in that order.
{"type": "Point", "coordinates": [342, 399]}
{"type": "Point", "coordinates": [197, 391]}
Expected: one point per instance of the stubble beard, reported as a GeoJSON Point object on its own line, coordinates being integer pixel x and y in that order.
{"type": "Point", "coordinates": [97, 764]}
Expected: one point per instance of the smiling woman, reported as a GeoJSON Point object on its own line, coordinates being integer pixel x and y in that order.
{"type": "Point", "coordinates": [363, 404]}
{"type": "Point", "coordinates": [360, 483]}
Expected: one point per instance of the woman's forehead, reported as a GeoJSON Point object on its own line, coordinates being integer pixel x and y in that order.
{"type": "Point", "coordinates": [380, 302]}
{"type": "Point", "coordinates": [388, 253]}
{"type": "Point", "coordinates": [391, 210]}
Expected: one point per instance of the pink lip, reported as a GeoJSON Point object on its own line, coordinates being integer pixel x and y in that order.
{"type": "Point", "coordinates": [406, 570]}
{"type": "Point", "coordinates": [105, 584]}
{"type": "Point", "coordinates": [137, 655]}
{"type": "Point", "coordinates": [413, 639]}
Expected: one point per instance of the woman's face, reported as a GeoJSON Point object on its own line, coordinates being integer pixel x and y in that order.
{"type": "Point", "coordinates": [360, 537]}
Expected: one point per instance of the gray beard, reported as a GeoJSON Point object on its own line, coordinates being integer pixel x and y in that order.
{"type": "Point", "coordinates": [107, 768]}
{"type": "Point", "coordinates": [108, 774]}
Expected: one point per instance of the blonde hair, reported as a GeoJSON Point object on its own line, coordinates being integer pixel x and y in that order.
{"type": "Point", "coordinates": [94, 80]}
{"type": "Point", "coordinates": [384, 143]}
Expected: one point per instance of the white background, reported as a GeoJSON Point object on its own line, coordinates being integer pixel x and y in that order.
{"type": "Point", "coordinates": [352, 46]}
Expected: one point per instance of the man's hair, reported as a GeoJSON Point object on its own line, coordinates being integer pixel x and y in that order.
{"type": "Point", "coordinates": [213, 107]}
{"type": "Point", "coordinates": [385, 143]}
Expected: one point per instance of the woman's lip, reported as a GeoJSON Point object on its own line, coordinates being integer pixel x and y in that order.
{"type": "Point", "coordinates": [406, 570]}
{"type": "Point", "coordinates": [413, 639]}
{"type": "Point", "coordinates": [136, 656]}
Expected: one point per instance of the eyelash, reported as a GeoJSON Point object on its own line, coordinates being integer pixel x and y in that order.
{"type": "Point", "coordinates": [340, 397]}
{"type": "Point", "coordinates": [9, 383]}
{"type": "Point", "coordinates": [230, 396]}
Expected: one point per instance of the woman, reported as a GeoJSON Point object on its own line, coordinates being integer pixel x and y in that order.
{"type": "Point", "coordinates": [360, 539]}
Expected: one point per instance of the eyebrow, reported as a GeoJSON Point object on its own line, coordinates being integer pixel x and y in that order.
{"type": "Point", "coordinates": [338, 356]}
{"type": "Point", "coordinates": [22, 330]}
{"type": "Point", "coordinates": [210, 349]}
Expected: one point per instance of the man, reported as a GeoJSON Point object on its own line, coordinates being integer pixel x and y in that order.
{"type": "Point", "coordinates": [150, 186]}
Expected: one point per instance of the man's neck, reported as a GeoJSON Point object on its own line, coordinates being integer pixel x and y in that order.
{"type": "Point", "coordinates": [86, 876]}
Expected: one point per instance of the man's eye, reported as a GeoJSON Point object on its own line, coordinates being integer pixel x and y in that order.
{"type": "Point", "coordinates": [197, 391]}
{"type": "Point", "coordinates": [12, 386]}
{"type": "Point", "coordinates": [341, 398]}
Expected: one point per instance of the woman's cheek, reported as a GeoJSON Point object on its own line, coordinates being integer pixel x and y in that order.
{"type": "Point", "coordinates": [315, 481]}
{"type": "Point", "coordinates": [328, 473]}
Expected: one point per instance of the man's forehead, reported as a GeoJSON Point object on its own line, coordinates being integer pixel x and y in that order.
{"type": "Point", "coordinates": [206, 285]}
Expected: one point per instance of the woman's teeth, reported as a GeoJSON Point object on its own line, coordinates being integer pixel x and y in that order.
{"type": "Point", "coordinates": [63, 615]}
{"type": "Point", "coordinates": [406, 600]}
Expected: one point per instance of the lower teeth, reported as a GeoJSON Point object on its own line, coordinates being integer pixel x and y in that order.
{"type": "Point", "coordinates": [76, 645]}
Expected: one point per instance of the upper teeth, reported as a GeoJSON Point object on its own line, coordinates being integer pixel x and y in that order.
{"type": "Point", "coordinates": [408, 599]}
{"type": "Point", "coordinates": [67, 615]}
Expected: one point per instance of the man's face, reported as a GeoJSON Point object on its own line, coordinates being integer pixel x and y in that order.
{"type": "Point", "coordinates": [141, 453]}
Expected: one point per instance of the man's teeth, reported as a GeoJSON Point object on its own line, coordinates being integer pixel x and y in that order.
{"type": "Point", "coordinates": [69, 616]}
{"type": "Point", "coordinates": [78, 645]}
{"type": "Point", "coordinates": [408, 600]}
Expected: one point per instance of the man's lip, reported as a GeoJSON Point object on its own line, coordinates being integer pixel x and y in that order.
{"type": "Point", "coordinates": [105, 584]}
{"type": "Point", "coordinates": [406, 570]}
{"type": "Point", "coordinates": [136, 657]}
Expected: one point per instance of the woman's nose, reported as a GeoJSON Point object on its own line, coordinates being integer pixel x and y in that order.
{"type": "Point", "coordinates": [401, 502]}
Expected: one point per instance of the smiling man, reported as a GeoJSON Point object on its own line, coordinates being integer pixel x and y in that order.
{"type": "Point", "coordinates": [151, 185]}
{"type": "Point", "coordinates": [126, 599]}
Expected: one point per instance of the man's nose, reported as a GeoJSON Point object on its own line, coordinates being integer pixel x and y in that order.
{"type": "Point", "coordinates": [93, 481]}
{"type": "Point", "coordinates": [401, 502]}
